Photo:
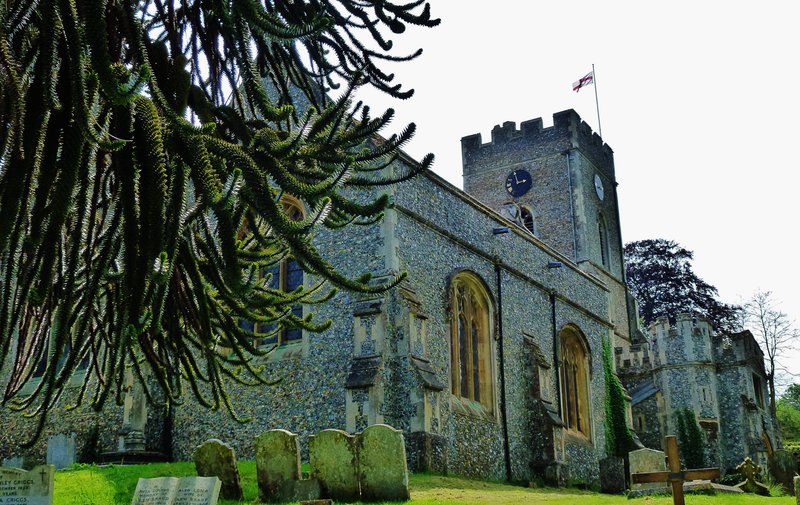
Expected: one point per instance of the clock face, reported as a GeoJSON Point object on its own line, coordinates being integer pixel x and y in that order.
{"type": "Point", "coordinates": [598, 186]}
{"type": "Point", "coordinates": [519, 182]}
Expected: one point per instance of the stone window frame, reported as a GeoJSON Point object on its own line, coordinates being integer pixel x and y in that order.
{"type": "Point", "coordinates": [758, 393]}
{"type": "Point", "coordinates": [476, 312]}
{"type": "Point", "coordinates": [297, 212]}
{"type": "Point", "coordinates": [574, 378]}
{"type": "Point", "coordinates": [76, 380]}
{"type": "Point", "coordinates": [602, 232]}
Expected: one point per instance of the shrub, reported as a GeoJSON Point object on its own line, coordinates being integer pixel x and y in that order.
{"type": "Point", "coordinates": [690, 439]}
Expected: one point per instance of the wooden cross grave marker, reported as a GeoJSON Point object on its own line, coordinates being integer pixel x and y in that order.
{"type": "Point", "coordinates": [675, 476]}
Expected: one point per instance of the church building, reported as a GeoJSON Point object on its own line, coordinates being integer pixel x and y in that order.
{"type": "Point", "coordinates": [489, 355]}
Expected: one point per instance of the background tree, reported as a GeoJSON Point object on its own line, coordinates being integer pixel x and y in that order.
{"type": "Point", "coordinates": [660, 275]}
{"type": "Point", "coordinates": [788, 413]}
{"type": "Point", "coordinates": [145, 149]}
{"type": "Point", "coordinates": [776, 335]}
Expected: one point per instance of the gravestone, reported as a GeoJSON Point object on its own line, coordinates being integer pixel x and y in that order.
{"type": "Point", "coordinates": [334, 462]}
{"type": "Point", "coordinates": [277, 466]}
{"type": "Point", "coordinates": [34, 487]}
{"type": "Point", "coordinates": [612, 475]}
{"type": "Point", "coordinates": [177, 491]}
{"type": "Point", "coordinates": [383, 473]}
{"type": "Point", "coordinates": [797, 489]}
{"type": "Point", "coordinates": [644, 461]}
{"type": "Point", "coordinates": [750, 470]}
{"type": "Point", "coordinates": [61, 450]}
{"type": "Point", "coordinates": [783, 467]}
{"type": "Point", "coordinates": [214, 458]}
{"type": "Point", "coordinates": [15, 462]}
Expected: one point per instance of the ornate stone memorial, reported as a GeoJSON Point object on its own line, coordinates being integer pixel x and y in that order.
{"type": "Point", "coordinates": [750, 470]}
{"type": "Point", "coordinates": [34, 487]}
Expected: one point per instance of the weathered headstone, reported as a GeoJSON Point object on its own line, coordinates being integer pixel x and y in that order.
{"type": "Point", "coordinates": [61, 450]}
{"type": "Point", "coordinates": [644, 461]}
{"type": "Point", "coordinates": [612, 475]}
{"type": "Point", "coordinates": [383, 473]}
{"type": "Point", "coordinates": [215, 458]}
{"type": "Point", "coordinates": [783, 467]}
{"type": "Point", "coordinates": [277, 466]}
{"type": "Point", "coordinates": [177, 491]}
{"type": "Point", "coordinates": [797, 489]}
{"type": "Point", "coordinates": [15, 462]}
{"type": "Point", "coordinates": [750, 470]}
{"type": "Point", "coordinates": [34, 487]}
{"type": "Point", "coordinates": [334, 462]}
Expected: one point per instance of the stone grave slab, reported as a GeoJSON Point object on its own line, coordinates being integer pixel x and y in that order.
{"type": "Point", "coordinates": [644, 461]}
{"type": "Point", "coordinates": [277, 466]}
{"type": "Point", "coordinates": [334, 461]}
{"type": "Point", "coordinates": [61, 450]}
{"type": "Point", "coordinates": [383, 472]}
{"type": "Point", "coordinates": [708, 487]}
{"type": "Point", "coordinates": [177, 491]}
{"type": "Point", "coordinates": [783, 467]}
{"type": "Point", "coordinates": [215, 458]}
{"type": "Point", "coordinates": [33, 487]}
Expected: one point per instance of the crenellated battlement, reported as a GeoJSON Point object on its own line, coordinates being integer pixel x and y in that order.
{"type": "Point", "coordinates": [685, 324]}
{"type": "Point", "coordinates": [568, 131]}
{"type": "Point", "coordinates": [687, 341]}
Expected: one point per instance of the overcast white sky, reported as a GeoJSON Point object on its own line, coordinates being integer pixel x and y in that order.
{"type": "Point", "coordinates": [698, 99]}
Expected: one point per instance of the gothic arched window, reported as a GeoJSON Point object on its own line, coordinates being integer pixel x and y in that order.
{"type": "Point", "coordinates": [471, 339]}
{"type": "Point", "coordinates": [574, 382]}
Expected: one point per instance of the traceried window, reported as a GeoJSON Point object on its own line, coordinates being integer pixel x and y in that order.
{"type": "Point", "coordinates": [286, 276]}
{"type": "Point", "coordinates": [574, 382]}
{"type": "Point", "coordinates": [471, 338]}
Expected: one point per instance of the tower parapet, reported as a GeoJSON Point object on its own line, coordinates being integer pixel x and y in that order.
{"type": "Point", "coordinates": [533, 140]}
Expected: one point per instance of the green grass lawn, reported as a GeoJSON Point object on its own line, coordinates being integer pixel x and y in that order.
{"type": "Point", "coordinates": [114, 485]}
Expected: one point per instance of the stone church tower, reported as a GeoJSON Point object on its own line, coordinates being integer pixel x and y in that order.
{"type": "Point", "coordinates": [559, 184]}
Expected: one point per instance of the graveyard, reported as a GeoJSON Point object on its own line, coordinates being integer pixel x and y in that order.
{"type": "Point", "coordinates": [115, 484]}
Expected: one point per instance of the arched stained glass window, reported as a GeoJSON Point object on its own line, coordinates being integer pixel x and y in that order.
{"type": "Point", "coordinates": [574, 382]}
{"type": "Point", "coordinates": [471, 341]}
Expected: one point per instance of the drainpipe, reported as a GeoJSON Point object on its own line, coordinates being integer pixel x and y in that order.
{"type": "Point", "coordinates": [571, 208]}
{"type": "Point", "coordinates": [501, 356]}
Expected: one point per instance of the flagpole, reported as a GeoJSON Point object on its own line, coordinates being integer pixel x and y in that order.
{"type": "Point", "coordinates": [596, 101]}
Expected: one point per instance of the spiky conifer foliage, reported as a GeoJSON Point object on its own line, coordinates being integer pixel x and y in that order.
{"type": "Point", "coordinates": [146, 147]}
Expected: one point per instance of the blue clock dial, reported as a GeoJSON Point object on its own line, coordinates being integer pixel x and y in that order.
{"type": "Point", "coordinates": [519, 182]}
